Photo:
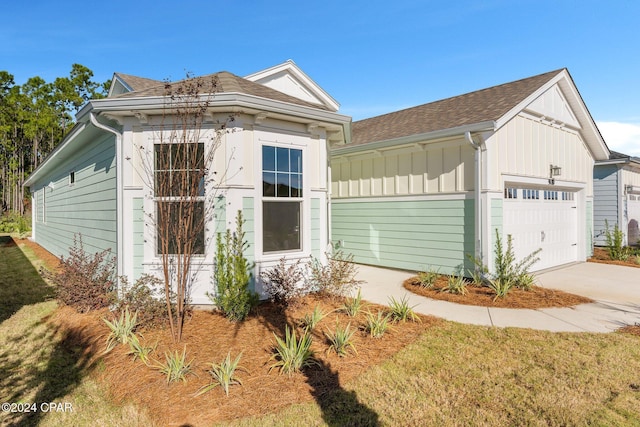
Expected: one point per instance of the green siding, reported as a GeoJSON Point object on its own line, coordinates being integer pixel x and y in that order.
{"type": "Point", "coordinates": [316, 250]}
{"type": "Point", "coordinates": [496, 220]}
{"type": "Point", "coordinates": [138, 238]}
{"type": "Point", "coordinates": [589, 230]}
{"type": "Point", "coordinates": [88, 207]}
{"type": "Point", "coordinates": [412, 235]}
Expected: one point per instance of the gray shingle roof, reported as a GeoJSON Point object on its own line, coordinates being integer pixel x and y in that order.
{"type": "Point", "coordinates": [471, 108]}
{"type": "Point", "coordinates": [138, 83]}
{"type": "Point", "coordinates": [222, 82]}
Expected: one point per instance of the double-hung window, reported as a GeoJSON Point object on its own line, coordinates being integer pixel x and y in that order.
{"type": "Point", "coordinates": [179, 176]}
{"type": "Point", "coordinates": [281, 199]}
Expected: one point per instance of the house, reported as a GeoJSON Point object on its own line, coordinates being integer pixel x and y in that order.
{"type": "Point", "coordinates": [271, 164]}
{"type": "Point", "coordinates": [428, 186]}
{"type": "Point", "coordinates": [616, 187]}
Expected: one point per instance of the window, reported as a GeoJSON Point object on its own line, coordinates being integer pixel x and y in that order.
{"type": "Point", "coordinates": [282, 199]}
{"type": "Point", "coordinates": [179, 193]}
{"type": "Point", "coordinates": [510, 193]}
{"type": "Point", "coordinates": [72, 177]}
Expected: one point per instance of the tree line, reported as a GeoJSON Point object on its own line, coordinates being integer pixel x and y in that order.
{"type": "Point", "coordinates": [34, 119]}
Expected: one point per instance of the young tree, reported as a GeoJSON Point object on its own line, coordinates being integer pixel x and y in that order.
{"type": "Point", "coordinates": [182, 169]}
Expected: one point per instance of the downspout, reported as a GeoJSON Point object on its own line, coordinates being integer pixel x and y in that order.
{"type": "Point", "coordinates": [328, 213]}
{"type": "Point", "coordinates": [478, 197]}
{"type": "Point", "coordinates": [119, 194]}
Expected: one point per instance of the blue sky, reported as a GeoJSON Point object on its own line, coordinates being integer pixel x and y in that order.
{"type": "Point", "coordinates": [372, 56]}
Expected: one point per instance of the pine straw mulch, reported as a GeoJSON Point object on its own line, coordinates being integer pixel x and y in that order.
{"type": "Point", "coordinates": [535, 298]}
{"type": "Point", "coordinates": [51, 261]}
{"type": "Point", "coordinates": [208, 337]}
{"type": "Point", "coordinates": [601, 255]}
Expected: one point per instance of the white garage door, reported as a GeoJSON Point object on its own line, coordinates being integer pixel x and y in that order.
{"type": "Point", "coordinates": [542, 218]}
{"type": "Point", "coordinates": [633, 218]}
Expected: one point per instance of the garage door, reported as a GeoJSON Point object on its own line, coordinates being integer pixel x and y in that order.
{"type": "Point", "coordinates": [542, 218]}
{"type": "Point", "coordinates": [633, 218]}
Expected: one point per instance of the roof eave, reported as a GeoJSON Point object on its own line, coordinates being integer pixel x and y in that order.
{"type": "Point", "coordinates": [486, 126]}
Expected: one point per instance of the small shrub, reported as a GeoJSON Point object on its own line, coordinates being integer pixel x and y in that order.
{"type": "Point", "coordinates": [85, 282]}
{"type": "Point", "coordinates": [292, 354]}
{"type": "Point", "coordinates": [310, 321]}
{"type": "Point", "coordinates": [146, 297]}
{"type": "Point", "coordinates": [500, 287]}
{"type": "Point", "coordinates": [284, 285]}
{"type": "Point", "coordinates": [400, 310]}
{"type": "Point", "coordinates": [614, 239]}
{"type": "Point", "coordinates": [456, 284]}
{"type": "Point", "coordinates": [352, 306]}
{"type": "Point", "coordinates": [231, 273]}
{"type": "Point", "coordinates": [428, 278]}
{"type": "Point", "coordinates": [376, 325]}
{"type": "Point", "coordinates": [139, 350]}
{"type": "Point", "coordinates": [341, 340]}
{"type": "Point", "coordinates": [506, 267]}
{"type": "Point", "coordinates": [335, 278]}
{"type": "Point", "coordinates": [175, 366]}
{"type": "Point", "coordinates": [122, 329]}
{"type": "Point", "coordinates": [223, 374]}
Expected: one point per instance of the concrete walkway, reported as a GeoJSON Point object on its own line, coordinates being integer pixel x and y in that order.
{"type": "Point", "coordinates": [614, 289]}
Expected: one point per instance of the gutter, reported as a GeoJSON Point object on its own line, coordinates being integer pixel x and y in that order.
{"type": "Point", "coordinates": [119, 193]}
{"type": "Point", "coordinates": [478, 197]}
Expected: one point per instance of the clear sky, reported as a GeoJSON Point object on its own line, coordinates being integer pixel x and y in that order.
{"type": "Point", "coordinates": [372, 56]}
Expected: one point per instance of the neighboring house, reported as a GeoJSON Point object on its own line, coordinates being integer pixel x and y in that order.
{"type": "Point", "coordinates": [616, 187]}
{"type": "Point", "coordinates": [272, 163]}
{"type": "Point", "coordinates": [426, 186]}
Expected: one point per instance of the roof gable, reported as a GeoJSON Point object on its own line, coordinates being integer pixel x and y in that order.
{"type": "Point", "coordinates": [125, 83]}
{"type": "Point", "coordinates": [290, 79]}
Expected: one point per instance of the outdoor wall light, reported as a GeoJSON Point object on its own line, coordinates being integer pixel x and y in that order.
{"type": "Point", "coordinates": [554, 171]}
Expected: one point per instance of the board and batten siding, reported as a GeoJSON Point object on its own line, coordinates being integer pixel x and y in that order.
{"type": "Point", "coordinates": [411, 234]}
{"type": "Point", "coordinates": [87, 207]}
{"type": "Point", "coordinates": [606, 200]}
{"type": "Point", "coordinates": [527, 147]}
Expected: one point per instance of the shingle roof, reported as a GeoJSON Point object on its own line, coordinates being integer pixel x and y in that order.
{"type": "Point", "coordinates": [222, 82]}
{"type": "Point", "coordinates": [614, 155]}
{"type": "Point", "coordinates": [138, 83]}
{"type": "Point", "coordinates": [471, 108]}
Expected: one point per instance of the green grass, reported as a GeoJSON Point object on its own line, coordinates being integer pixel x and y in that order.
{"type": "Point", "coordinates": [452, 374]}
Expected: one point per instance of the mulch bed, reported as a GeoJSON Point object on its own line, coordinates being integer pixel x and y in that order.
{"type": "Point", "coordinates": [51, 261]}
{"type": "Point", "coordinates": [209, 336]}
{"type": "Point", "coordinates": [601, 255]}
{"type": "Point", "coordinates": [535, 298]}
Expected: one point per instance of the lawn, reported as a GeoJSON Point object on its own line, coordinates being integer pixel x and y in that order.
{"type": "Point", "coordinates": [443, 374]}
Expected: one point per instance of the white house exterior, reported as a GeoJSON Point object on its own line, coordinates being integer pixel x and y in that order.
{"type": "Point", "coordinates": [425, 187]}
{"type": "Point", "coordinates": [617, 197]}
{"type": "Point", "coordinates": [98, 182]}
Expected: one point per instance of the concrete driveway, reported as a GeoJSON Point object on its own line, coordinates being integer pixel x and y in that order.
{"type": "Point", "coordinates": [614, 289]}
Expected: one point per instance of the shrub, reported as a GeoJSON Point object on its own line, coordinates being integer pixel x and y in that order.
{"type": "Point", "coordinates": [428, 278]}
{"type": "Point", "coordinates": [146, 297]}
{"type": "Point", "coordinates": [223, 374]}
{"type": "Point", "coordinates": [293, 354]}
{"type": "Point", "coordinates": [85, 282]}
{"type": "Point", "coordinates": [284, 284]}
{"type": "Point", "coordinates": [15, 223]}
{"type": "Point", "coordinates": [341, 340]}
{"type": "Point", "coordinates": [456, 284]}
{"type": "Point", "coordinates": [335, 278]}
{"type": "Point", "coordinates": [175, 366]}
{"type": "Point", "coordinates": [121, 329]}
{"type": "Point", "coordinates": [310, 321]}
{"type": "Point", "coordinates": [614, 240]}
{"type": "Point", "coordinates": [377, 325]}
{"type": "Point", "coordinates": [233, 296]}
{"type": "Point", "coordinates": [139, 350]}
{"type": "Point", "coordinates": [352, 306]}
{"type": "Point", "coordinates": [400, 310]}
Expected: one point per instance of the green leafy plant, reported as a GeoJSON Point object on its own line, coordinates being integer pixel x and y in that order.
{"type": "Point", "coordinates": [400, 310]}
{"type": "Point", "coordinates": [139, 350]}
{"type": "Point", "coordinates": [146, 297]}
{"type": "Point", "coordinates": [456, 284]}
{"type": "Point", "coordinates": [224, 374]}
{"type": "Point", "coordinates": [428, 278]}
{"type": "Point", "coordinates": [341, 341]}
{"type": "Point", "coordinates": [311, 320]}
{"type": "Point", "coordinates": [376, 325]}
{"type": "Point", "coordinates": [284, 284]}
{"type": "Point", "coordinates": [233, 296]}
{"type": "Point", "coordinates": [352, 306]}
{"type": "Point", "coordinates": [292, 354]}
{"type": "Point", "coordinates": [500, 286]}
{"type": "Point", "coordinates": [122, 329]}
{"type": "Point", "coordinates": [506, 266]}
{"type": "Point", "coordinates": [175, 366]}
{"type": "Point", "coordinates": [337, 277]}
{"type": "Point", "coordinates": [614, 239]}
